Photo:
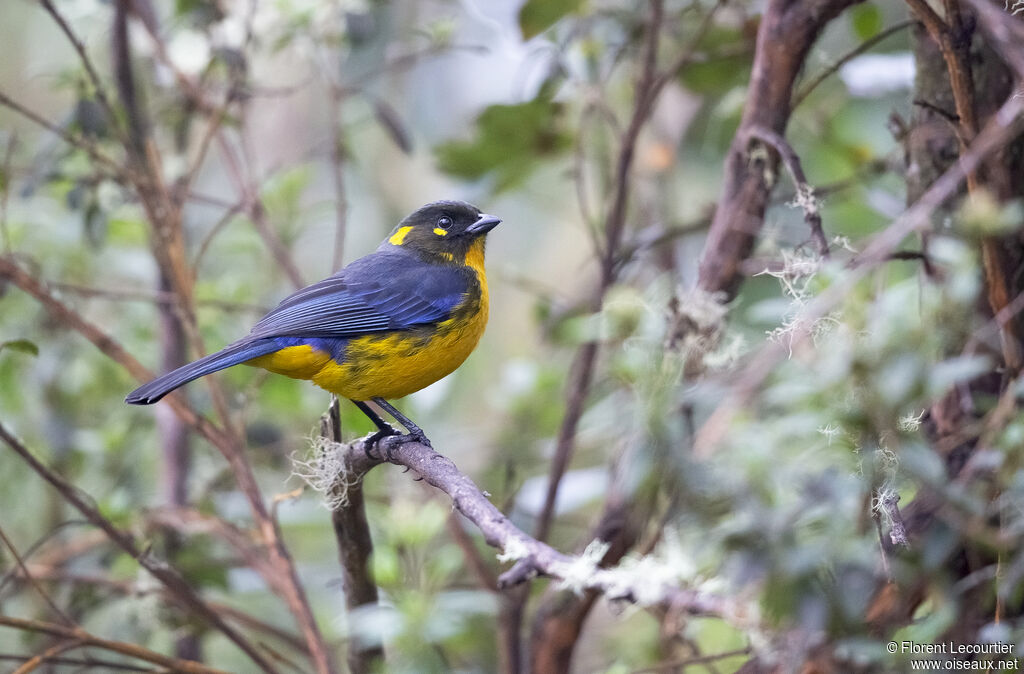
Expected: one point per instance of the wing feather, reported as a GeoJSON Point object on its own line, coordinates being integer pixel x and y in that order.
{"type": "Point", "coordinates": [380, 292]}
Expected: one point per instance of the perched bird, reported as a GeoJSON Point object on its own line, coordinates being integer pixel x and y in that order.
{"type": "Point", "coordinates": [387, 325]}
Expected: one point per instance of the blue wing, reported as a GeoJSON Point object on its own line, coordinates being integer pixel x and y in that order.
{"type": "Point", "coordinates": [380, 292]}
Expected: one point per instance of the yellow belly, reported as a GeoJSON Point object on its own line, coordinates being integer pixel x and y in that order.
{"type": "Point", "coordinates": [395, 364]}
{"type": "Point", "coordinates": [390, 365]}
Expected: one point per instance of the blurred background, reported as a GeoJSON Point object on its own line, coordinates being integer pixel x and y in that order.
{"type": "Point", "coordinates": [260, 145]}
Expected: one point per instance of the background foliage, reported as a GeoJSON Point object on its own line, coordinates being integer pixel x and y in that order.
{"type": "Point", "coordinates": [293, 134]}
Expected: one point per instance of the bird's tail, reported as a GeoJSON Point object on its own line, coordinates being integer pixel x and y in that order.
{"type": "Point", "coordinates": [147, 394]}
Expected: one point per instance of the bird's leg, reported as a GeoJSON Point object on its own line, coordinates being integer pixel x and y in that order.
{"type": "Point", "coordinates": [384, 429]}
{"type": "Point", "coordinates": [415, 432]}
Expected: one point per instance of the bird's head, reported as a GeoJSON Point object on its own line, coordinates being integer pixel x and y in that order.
{"type": "Point", "coordinates": [447, 230]}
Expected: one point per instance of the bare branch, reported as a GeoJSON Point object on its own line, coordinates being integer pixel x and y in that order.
{"type": "Point", "coordinates": [804, 192]}
{"type": "Point", "coordinates": [64, 617]}
{"type": "Point", "coordinates": [90, 69]}
{"type": "Point", "coordinates": [80, 637]}
{"type": "Point", "coordinates": [108, 665]}
{"type": "Point", "coordinates": [533, 557]}
{"type": "Point", "coordinates": [254, 208]}
{"type": "Point", "coordinates": [291, 589]}
{"type": "Point", "coordinates": [1004, 126]}
{"type": "Point", "coordinates": [82, 144]}
{"type": "Point", "coordinates": [160, 570]}
{"type": "Point", "coordinates": [806, 90]}
{"type": "Point", "coordinates": [583, 364]}
{"type": "Point", "coordinates": [787, 31]}
{"type": "Point", "coordinates": [355, 546]}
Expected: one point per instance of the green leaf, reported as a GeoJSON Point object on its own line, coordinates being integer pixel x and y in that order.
{"type": "Point", "coordinates": [866, 21]}
{"type": "Point", "coordinates": [509, 141]}
{"type": "Point", "coordinates": [717, 76]}
{"type": "Point", "coordinates": [536, 16]}
{"type": "Point", "coordinates": [22, 345]}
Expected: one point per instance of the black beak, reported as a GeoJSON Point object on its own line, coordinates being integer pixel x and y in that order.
{"type": "Point", "coordinates": [483, 224]}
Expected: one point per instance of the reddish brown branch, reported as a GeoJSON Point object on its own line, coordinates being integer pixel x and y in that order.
{"type": "Point", "coordinates": [124, 540]}
{"type": "Point", "coordinates": [292, 592]}
{"type": "Point", "coordinates": [788, 29]}
{"type": "Point", "coordinates": [804, 191]}
{"type": "Point", "coordinates": [1005, 125]}
{"type": "Point", "coordinates": [64, 617]}
{"type": "Point", "coordinates": [51, 573]}
{"type": "Point", "coordinates": [80, 637]}
{"type": "Point", "coordinates": [954, 41]}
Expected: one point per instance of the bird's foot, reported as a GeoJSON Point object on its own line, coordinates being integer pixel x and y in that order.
{"type": "Point", "coordinates": [374, 440]}
{"type": "Point", "coordinates": [419, 436]}
{"type": "Point", "coordinates": [395, 441]}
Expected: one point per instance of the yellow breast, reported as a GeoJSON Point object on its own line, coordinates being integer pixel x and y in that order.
{"type": "Point", "coordinates": [393, 364]}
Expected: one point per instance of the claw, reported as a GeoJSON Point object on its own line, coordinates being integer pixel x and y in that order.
{"type": "Point", "coordinates": [401, 439]}
{"type": "Point", "coordinates": [374, 440]}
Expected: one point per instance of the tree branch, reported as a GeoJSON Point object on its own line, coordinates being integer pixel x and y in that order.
{"type": "Point", "coordinates": [806, 89]}
{"type": "Point", "coordinates": [804, 191]}
{"type": "Point", "coordinates": [292, 593]}
{"type": "Point", "coordinates": [161, 571]}
{"type": "Point", "coordinates": [788, 29]}
{"type": "Point", "coordinates": [355, 547]}
{"type": "Point", "coordinates": [533, 557]}
{"type": "Point", "coordinates": [90, 70]}
{"type": "Point", "coordinates": [82, 638]}
{"type": "Point", "coordinates": [1005, 125]}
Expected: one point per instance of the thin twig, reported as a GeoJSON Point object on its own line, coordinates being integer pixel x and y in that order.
{"type": "Point", "coordinates": [77, 634]}
{"type": "Point", "coordinates": [64, 617]}
{"type": "Point", "coordinates": [153, 296]}
{"type": "Point", "coordinates": [582, 371]}
{"type": "Point", "coordinates": [804, 191]}
{"type": "Point", "coordinates": [671, 665]}
{"type": "Point", "coordinates": [217, 228]}
{"type": "Point", "coordinates": [806, 90]}
{"type": "Point", "coordinates": [36, 661]}
{"type": "Point", "coordinates": [485, 578]}
{"type": "Point", "coordinates": [256, 211]}
{"type": "Point", "coordinates": [90, 69]}
{"type": "Point", "coordinates": [55, 574]}
{"type": "Point", "coordinates": [1003, 126]}
{"type": "Point", "coordinates": [79, 142]}
{"type": "Point", "coordinates": [184, 186]}
{"type": "Point", "coordinates": [85, 664]}
{"type": "Point", "coordinates": [124, 540]}
{"type": "Point", "coordinates": [5, 192]}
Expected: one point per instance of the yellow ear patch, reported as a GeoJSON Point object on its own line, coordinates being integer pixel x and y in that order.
{"type": "Point", "coordinates": [398, 238]}
{"type": "Point", "coordinates": [440, 232]}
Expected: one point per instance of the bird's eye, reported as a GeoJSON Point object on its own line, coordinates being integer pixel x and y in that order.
{"type": "Point", "coordinates": [444, 222]}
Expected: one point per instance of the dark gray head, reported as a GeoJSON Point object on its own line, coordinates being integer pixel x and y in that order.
{"type": "Point", "coordinates": [443, 229]}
